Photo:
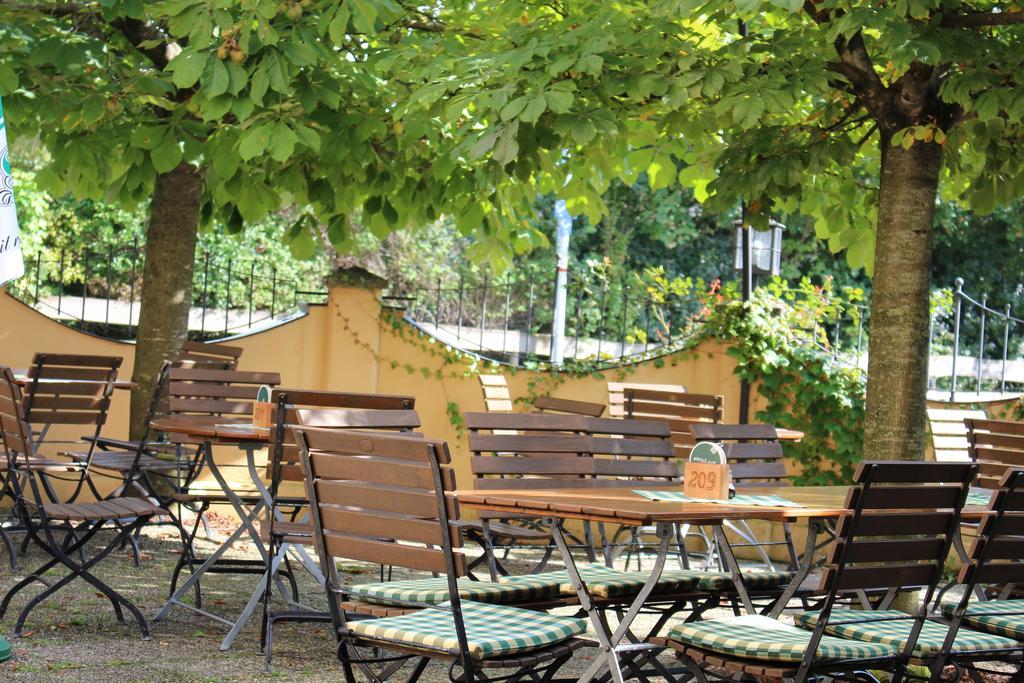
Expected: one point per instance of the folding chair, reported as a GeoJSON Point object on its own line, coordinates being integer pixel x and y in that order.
{"type": "Point", "coordinates": [209, 355]}
{"type": "Point", "coordinates": [553, 404]}
{"type": "Point", "coordinates": [386, 500]}
{"type": "Point", "coordinates": [208, 393]}
{"type": "Point", "coordinates": [77, 522]}
{"type": "Point", "coordinates": [896, 535]}
{"type": "Point", "coordinates": [678, 409]}
{"type": "Point", "coordinates": [324, 409]}
{"type": "Point", "coordinates": [755, 459]}
{"type": "Point", "coordinates": [517, 450]}
{"type": "Point", "coordinates": [65, 390]}
{"type": "Point", "coordinates": [996, 558]}
{"type": "Point", "coordinates": [949, 433]}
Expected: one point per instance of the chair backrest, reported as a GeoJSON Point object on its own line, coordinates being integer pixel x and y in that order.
{"type": "Point", "coordinates": [70, 389]}
{"type": "Point", "coordinates": [497, 397]}
{"type": "Point", "coordinates": [383, 499]}
{"type": "Point", "coordinates": [201, 391]}
{"type": "Point", "coordinates": [900, 524]}
{"type": "Point", "coordinates": [209, 355]}
{"type": "Point", "coordinates": [753, 450]}
{"type": "Point", "coordinates": [617, 394]}
{"type": "Point", "coordinates": [333, 410]}
{"type": "Point", "coordinates": [15, 432]}
{"type": "Point", "coordinates": [949, 433]}
{"type": "Point", "coordinates": [997, 555]}
{"type": "Point", "coordinates": [552, 404]}
{"type": "Point", "coordinates": [678, 409]}
{"type": "Point", "coordinates": [997, 446]}
{"type": "Point", "coordinates": [524, 451]}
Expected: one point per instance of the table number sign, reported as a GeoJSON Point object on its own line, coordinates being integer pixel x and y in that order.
{"type": "Point", "coordinates": [706, 475]}
{"type": "Point", "coordinates": [263, 409]}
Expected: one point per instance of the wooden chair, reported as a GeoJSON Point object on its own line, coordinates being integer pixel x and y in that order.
{"type": "Point", "coordinates": [617, 394]}
{"type": "Point", "coordinates": [755, 459]}
{"type": "Point", "coordinates": [997, 446]}
{"type": "Point", "coordinates": [552, 404]}
{"type": "Point", "coordinates": [497, 397]}
{"type": "Point", "coordinates": [896, 535]}
{"type": "Point", "coordinates": [209, 355]}
{"type": "Point", "coordinates": [76, 524]}
{"type": "Point", "coordinates": [517, 450]}
{"type": "Point", "coordinates": [386, 500]}
{"type": "Point", "coordinates": [996, 559]}
{"type": "Point", "coordinates": [206, 393]}
{"type": "Point", "coordinates": [72, 390]}
{"type": "Point", "coordinates": [679, 410]}
{"type": "Point", "coordinates": [326, 410]}
{"type": "Point", "coordinates": [949, 433]}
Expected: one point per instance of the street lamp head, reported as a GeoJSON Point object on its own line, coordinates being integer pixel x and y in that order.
{"type": "Point", "coordinates": [765, 248]}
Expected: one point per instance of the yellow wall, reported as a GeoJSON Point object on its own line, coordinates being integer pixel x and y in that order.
{"type": "Point", "coordinates": [343, 346]}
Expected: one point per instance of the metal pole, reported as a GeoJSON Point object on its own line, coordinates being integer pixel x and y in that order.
{"type": "Point", "coordinates": [110, 262]}
{"type": "Point", "coordinates": [563, 232]}
{"type": "Point", "coordinates": [747, 287]}
{"type": "Point", "coordinates": [206, 291]}
{"type": "Point", "coordinates": [131, 284]}
{"type": "Point", "coordinates": [39, 271]}
{"type": "Point", "coordinates": [508, 302]}
{"type": "Point", "coordinates": [1006, 346]}
{"type": "Point", "coordinates": [529, 319]}
{"type": "Point", "coordinates": [601, 327]}
{"type": "Point", "coordinates": [60, 286]}
{"type": "Point", "coordinates": [981, 343]}
{"type": "Point", "coordinates": [462, 282]}
{"type": "Point", "coordinates": [437, 307]}
{"type": "Point", "coordinates": [625, 311]}
{"type": "Point", "coordinates": [252, 278]}
{"type": "Point", "coordinates": [273, 291]}
{"type": "Point", "coordinates": [483, 313]}
{"type": "Point", "coordinates": [579, 313]}
{"type": "Point", "coordinates": [227, 297]}
{"type": "Point", "coordinates": [958, 295]}
{"type": "Point", "coordinates": [85, 281]}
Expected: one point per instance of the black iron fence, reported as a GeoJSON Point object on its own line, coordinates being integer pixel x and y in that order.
{"type": "Point", "coordinates": [97, 290]}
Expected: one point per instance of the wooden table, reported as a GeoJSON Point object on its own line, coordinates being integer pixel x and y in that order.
{"type": "Point", "coordinates": [624, 506]}
{"type": "Point", "coordinates": [240, 432]}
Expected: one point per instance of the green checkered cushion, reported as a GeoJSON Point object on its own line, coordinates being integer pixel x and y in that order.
{"type": "Point", "coordinates": [719, 581]}
{"type": "Point", "coordinates": [434, 591]}
{"type": "Point", "coordinates": [604, 582]}
{"type": "Point", "coordinates": [491, 630]}
{"type": "Point", "coordinates": [867, 628]}
{"type": "Point", "coordinates": [1001, 617]}
{"type": "Point", "coordinates": [753, 636]}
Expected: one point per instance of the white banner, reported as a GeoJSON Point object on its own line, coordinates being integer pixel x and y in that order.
{"type": "Point", "coordinates": [11, 264]}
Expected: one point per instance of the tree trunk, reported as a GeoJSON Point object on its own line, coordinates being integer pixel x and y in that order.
{"type": "Point", "coordinates": [166, 281]}
{"type": "Point", "coordinates": [894, 428]}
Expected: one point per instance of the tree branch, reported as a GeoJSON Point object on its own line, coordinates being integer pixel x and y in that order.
{"type": "Point", "coordinates": [53, 9]}
{"type": "Point", "coordinates": [981, 19]}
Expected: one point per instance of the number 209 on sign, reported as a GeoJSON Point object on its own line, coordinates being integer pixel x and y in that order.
{"type": "Point", "coordinates": [705, 480]}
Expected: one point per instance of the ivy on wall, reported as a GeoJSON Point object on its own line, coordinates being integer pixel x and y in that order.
{"type": "Point", "coordinates": [778, 340]}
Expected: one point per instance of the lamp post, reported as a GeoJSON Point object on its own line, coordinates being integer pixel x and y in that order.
{"type": "Point", "coordinates": [758, 252]}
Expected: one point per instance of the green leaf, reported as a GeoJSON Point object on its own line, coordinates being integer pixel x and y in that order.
{"type": "Point", "coordinates": [534, 108]}
{"type": "Point", "coordinates": [148, 137]}
{"type": "Point", "coordinates": [187, 67]}
{"type": "Point", "coordinates": [167, 155]}
{"type": "Point", "coordinates": [300, 241]}
{"type": "Point", "coordinates": [507, 147]}
{"type": "Point", "coordinates": [259, 85]}
{"type": "Point", "coordinates": [514, 108]}
{"type": "Point", "coordinates": [219, 78]}
{"type": "Point", "coordinates": [484, 144]}
{"type": "Point", "coordinates": [364, 15]}
{"type": "Point", "coordinates": [282, 143]}
{"type": "Point", "coordinates": [559, 101]}
{"type": "Point", "coordinates": [254, 141]}
{"type": "Point", "coordinates": [8, 79]}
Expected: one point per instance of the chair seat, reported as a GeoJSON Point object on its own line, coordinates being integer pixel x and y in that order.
{"type": "Point", "coordinates": [501, 530]}
{"type": "Point", "coordinates": [491, 630]}
{"type": "Point", "coordinates": [104, 510]}
{"type": "Point", "coordinates": [123, 462]}
{"type": "Point", "coordinates": [434, 591]}
{"type": "Point", "coordinates": [716, 582]}
{"type": "Point", "coordinates": [39, 464]}
{"type": "Point", "coordinates": [296, 533]}
{"type": "Point", "coordinates": [762, 638]}
{"type": "Point", "coordinates": [864, 626]}
{"type": "Point", "coordinates": [999, 617]}
{"type": "Point", "coordinates": [604, 582]}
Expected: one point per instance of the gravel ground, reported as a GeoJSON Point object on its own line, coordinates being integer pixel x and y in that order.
{"type": "Point", "coordinates": [74, 636]}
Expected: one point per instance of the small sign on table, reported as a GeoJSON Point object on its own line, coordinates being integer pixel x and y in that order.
{"type": "Point", "coordinates": [706, 475]}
